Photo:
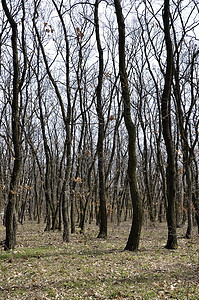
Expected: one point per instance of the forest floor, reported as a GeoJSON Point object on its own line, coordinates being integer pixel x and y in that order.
{"type": "Point", "coordinates": [43, 267]}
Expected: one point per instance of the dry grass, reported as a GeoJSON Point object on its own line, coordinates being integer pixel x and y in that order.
{"type": "Point", "coordinates": [43, 267]}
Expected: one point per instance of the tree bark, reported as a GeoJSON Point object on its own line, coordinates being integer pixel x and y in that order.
{"type": "Point", "coordinates": [134, 236]}
{"type": "Point", "coordinates": [166, 125]}
{"type": "Point", "coordinates": [102, 209]}
{"type": "Point", "coordinates": [11, 224]}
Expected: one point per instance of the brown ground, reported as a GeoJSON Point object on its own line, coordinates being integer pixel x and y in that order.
{"type": "Point", "coordinates": [43, 267]}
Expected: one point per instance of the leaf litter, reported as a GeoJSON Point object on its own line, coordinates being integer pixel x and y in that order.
{"type": "Point", "coordinates": [43, 267]}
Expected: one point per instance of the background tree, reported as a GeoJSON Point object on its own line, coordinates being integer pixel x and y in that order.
{"type": "Point", "coordinates": [70, 87]}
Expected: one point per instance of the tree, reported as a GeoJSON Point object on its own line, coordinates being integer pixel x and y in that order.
{"type": "Point", "coordinates": [89, 95]}
{"type": "Point", "coordinates": [103, 214]}
{"type": "Point", "coordinates": [166, 126]}
{"type": "Point", "coordinates": [134, 236]}
{"type": "Point", "coordinates": [11, 223]}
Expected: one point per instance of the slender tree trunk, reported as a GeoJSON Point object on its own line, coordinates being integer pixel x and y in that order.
{"type": "Point", "coordinates": [66, 236]}
{"type": "Point", "coordinates": [166, 125]}
{"type": "Point", "coordinates": [195, 195]}
{"type": "Point", "coordinates": [102, 208]}
{"type": "Point", "coordinates": [85, 210]}
{"type": "Point", "coordinates": [134, 236]}
{"type": "Point", "coordinates": [10, 222]}
{"type": "Point", "coordinates": [146, 175]}
{"type": "Point", "coordinates": [189, 201]}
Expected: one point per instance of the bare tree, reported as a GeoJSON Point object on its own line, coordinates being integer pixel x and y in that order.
{"type": "Point", "coordinates": [103, 215]}
{"type": "Point", "coordinates": [166, 125]}
{"type": "Point", "coordinates": [134, 237]}
{"type": "Point", "coordinates": [11, 224]}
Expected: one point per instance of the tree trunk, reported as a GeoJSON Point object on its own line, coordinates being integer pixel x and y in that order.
{"type": "Point", "coordinates": [64, 202]}
{"type": "Point", "coordinates": [134, 237]}
{"type": "Point", "coordinates": [195, 195]}
{"type": "Point", "coordinates": [166, 125]}
{"type": "Point", "coordinates": [102, 208]}
{"type": "Point", "coordinates": [10, 221]}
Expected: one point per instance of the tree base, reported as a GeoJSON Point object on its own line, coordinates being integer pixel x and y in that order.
{"type": "Point", "coordinates": [130, 249]}
{"type": "Point", "coordinates": [102, 235]}
{"type": "Point", "coordinates": [187, 236]}
{"type": "Point", "coordinates": [171, 246]}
